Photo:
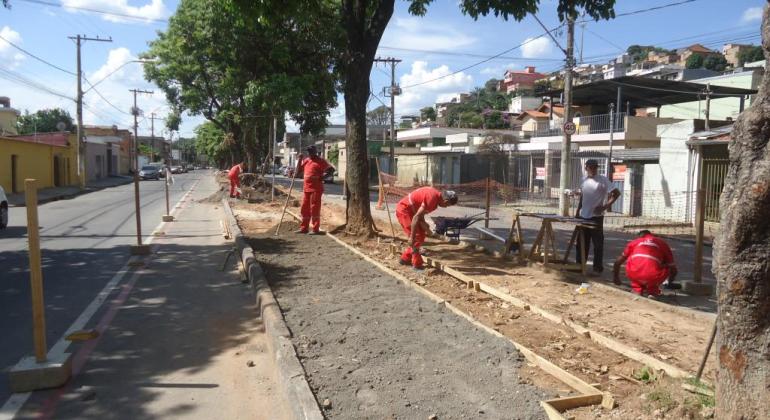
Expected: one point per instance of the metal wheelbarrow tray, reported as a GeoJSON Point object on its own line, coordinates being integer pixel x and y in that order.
{"type": "Point", "coordinates": [451, 226]}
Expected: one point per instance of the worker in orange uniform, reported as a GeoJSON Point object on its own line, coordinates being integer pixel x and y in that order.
{"type": "Point", "coordinates": [411, 211]}
{"type": "Point", "coordinates": [313, 168]}
{"type": "Point", "coordinates": [650, 263]}
{"type": "Point", "coordinates": [235, 180]}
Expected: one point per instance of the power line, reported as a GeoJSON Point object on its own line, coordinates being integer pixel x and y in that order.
{"type": "Point", "coordinates": [101, 12]}
{"type": "Point", "coordinates": [103, 98]}
{"type": "Point", "coordinates": [15, 77]}
{"type": "Point", "coordinates": [466, 54]}
{"type": "Point", "coordinates": [480, 62]}
{"type": "Point", "coordinates": [36, 57]}
{"type": "Point", "coordinates": [649, 9]}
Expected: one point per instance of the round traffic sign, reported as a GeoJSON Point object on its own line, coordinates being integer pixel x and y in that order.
{"type": "Point", "coordinates": [569, 127]}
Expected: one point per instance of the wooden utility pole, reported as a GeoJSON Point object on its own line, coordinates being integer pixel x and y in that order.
{"type": "Point", "coordinates": [393, 91]}
{"type": "Point", "coordinates": [139, 249]}
{"type": "Point", "coordinates": [564, 176]}
{"type": "Point", "coordinates": [80, 143]}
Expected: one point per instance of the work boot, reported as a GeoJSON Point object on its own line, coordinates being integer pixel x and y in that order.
{"type": "Point", "coordinates": [302, 231]}
{"type": "Point", "coordinates": [404, 262]}
{"type": "Point", "coordinates": [317, 232]}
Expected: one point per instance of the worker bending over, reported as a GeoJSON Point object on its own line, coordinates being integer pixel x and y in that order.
{"type": "Point", "coordinates": [313, 168]}
{"type": "Point", "coordinates": [650, 263]}
{"type": "Point", "coordinates": [235, 180]}
{"type": "Point", "coordinates": [411, 211]}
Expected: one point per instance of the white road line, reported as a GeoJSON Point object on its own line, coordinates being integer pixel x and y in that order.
{"type": "Point", "coordinates": [14, 403]}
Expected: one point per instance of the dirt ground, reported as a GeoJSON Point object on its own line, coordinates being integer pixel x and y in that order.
{"type": "Point", "coordinates": [378, 350]}
{"type": "Point", "coordinates": [672, 335]}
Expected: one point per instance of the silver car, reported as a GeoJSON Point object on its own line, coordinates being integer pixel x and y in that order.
{"type": "Point", "coordinates": [149, 172]}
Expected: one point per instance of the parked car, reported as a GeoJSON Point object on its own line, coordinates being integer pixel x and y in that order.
{"type": "Point", "coordinates": [176, 169]}
{"type": "Point", "coordinates": [288, 171]}
{"type": "Point", "coordinates": [3, 209]}
{"type": "Point", "coordinates": [329, 177]}
{"type": "Point", "coordinates": [149, 172]}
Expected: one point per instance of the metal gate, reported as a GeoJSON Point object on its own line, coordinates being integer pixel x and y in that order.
{"type": "Point", "coordinates": [712, 182]}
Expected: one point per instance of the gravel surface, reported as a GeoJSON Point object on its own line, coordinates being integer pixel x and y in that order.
{"type": "Point", "coordinates": [377, 350]}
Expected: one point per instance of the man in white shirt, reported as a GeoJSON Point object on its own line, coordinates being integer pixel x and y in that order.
{"type": "Point", "coordinates": [596, 196]}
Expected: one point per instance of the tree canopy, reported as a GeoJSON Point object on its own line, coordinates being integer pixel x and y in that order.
{"type": "Point", "coordinates": [378, 116]}
{"type": "Point", "coordinates": [44, 121]}
{"type": "Point", "coordinates": [428, 114]}
{"type": "Point", "coordinates": [750, 55]}
{"type": "Point", "coordinates": [694, 61]}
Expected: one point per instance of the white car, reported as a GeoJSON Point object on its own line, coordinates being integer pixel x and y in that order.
{"type": "Point", "coordinates": [3, 209]}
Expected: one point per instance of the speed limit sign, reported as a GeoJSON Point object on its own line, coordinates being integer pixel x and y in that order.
{"type": "Point", "coordinates": [569, 128]}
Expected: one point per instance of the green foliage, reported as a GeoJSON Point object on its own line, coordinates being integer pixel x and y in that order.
{"type": "Point", "coordinates": [239, 63]}
{"type": "Point", "coordinates": [646, 374]}
{"type": "Point", "coordinates": [662, 398]}
{"type": "Point", "coordinates": [491, 85]}
{"type": "Point", "coordinates": [750, 55]}
{"type": "Point", "coordinates": [694, 61]}
{"type": "Point", "coordinates": [378, 116]}
{"type": "Point", "coordinates": [334, 155]}
{"type": "Point", "coordinates": [210, 141]}
{"type": "Point", "coordinates": [518, 10]}
{"type": "Point", "coordinates": [715, 62]}
{"type": "Point", "coordinates": [145, 149]}
{"type": "Point", "coordinates": [405, 125]}
{"type": "Point", "coordinates": [428, 114]}
{"type": "Point", "coordinates": [44, 121]}
{"type": "Point", "coordinates": [639, 52]}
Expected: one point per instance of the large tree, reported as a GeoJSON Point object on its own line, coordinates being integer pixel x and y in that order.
{"type": "Point", "coordinates": [44, 121]}
{"type": "Point", "coordinates": [242, 64]}
{"type": "Point", "coordinates": [378, 116]}
{"type": "Point", "coordinates": [741, 263]}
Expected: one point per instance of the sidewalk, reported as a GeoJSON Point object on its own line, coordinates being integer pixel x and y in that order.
{"type": "Point", "coordinates": [59, 193]}
{"type": "Point", "coordinates": [186, 341]}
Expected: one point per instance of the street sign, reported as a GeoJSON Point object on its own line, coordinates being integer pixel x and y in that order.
{"type": "Point", "coordinates": [540, 172]}
{"type": "Point", "coordinates": [569, 128]}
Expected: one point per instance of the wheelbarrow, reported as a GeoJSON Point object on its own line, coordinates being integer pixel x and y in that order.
{"type": "Point", "coordinates": [452, 226]}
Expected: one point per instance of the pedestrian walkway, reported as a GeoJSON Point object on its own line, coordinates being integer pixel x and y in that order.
{"type": "Point", "coordinates": [185, 340]}
{"type": "Point", "coordinates": [59, 193]}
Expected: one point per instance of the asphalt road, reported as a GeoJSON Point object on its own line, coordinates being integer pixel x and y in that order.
{"type": "Point", "coordinates": [85, 242]}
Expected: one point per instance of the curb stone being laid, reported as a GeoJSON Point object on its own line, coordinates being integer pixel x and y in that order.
{"type": "Point", "coordinates": [291, 373]}
{"type": "Point", "coordinates": [374, 348]}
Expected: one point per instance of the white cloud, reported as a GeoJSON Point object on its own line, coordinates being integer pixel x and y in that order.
{"type": "Point", "coordinates": [116, 67]}
{"type": "Point", "coordinates": [536, 47]}
{"type": "Point", "coordinates": [498, 71]}
{"type": "Point", "coordinates": [414, 98]}
{"type": "Point", "coordinates": [420, 34]}
{"type": "Point", "coordinates": [154, 10]}
{"type": "Point", "coordinates": [10, 56]}
{"type": "Point", "coordinates": [752, 13]}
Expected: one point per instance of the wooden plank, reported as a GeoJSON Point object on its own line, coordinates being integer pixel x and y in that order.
{"type": "Point", "coordinates": [551, 412]}
{"type": "Point", "coordinates": [569, 379]}
{"type": "Point", "coordinates": [634, 354]}
{"type": "Point", "coordinates": [568, 403]}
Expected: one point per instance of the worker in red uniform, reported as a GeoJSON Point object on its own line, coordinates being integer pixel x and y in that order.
{"type": "Point", "coordinates": [650, 263]}
{"type": "Point", "coordinates": [411, 211]}
{"type": "Point", "coordinates": [313, 168]}
{"type": "Point", "coordinates": [235, 180]}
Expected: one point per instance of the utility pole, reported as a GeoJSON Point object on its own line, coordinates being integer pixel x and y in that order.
{"type": "Point", "coordinates": [138, 249]}
{"type": "Point", "coordinates": [564, 177]}
{"type": "Point", "coordinates": [708, 93]}
{"type": "Point", "coordinates": [610, 169]}
{"type": "Point", "coordinates": [393, 91]}
{"type": "Point", "coordinates": [152, 132]}
{"type": "Point", "coordinates": [80, 143]}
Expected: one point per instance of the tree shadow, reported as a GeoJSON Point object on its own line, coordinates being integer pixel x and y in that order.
{"type": "Point", "coordinates": [183, 314]}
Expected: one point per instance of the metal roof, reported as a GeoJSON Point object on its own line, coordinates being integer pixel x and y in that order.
{"type": "Point", "coordinates": [642, 154]}
{"type": "Point", "coordinates": [645, 92]}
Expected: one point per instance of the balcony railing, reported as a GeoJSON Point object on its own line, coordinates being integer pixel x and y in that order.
{"type": "Point", "coordinates": [590, 124]}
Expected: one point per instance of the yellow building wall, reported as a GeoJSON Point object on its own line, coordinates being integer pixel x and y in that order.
{"type": "Point", "coordinates": [36, 161]}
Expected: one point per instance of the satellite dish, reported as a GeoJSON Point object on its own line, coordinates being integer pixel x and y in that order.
{"type": "Point", "coordinates": [61, 125]}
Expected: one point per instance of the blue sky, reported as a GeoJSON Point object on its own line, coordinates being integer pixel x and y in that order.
{"type": "Point", "coordinates": [446, 40]}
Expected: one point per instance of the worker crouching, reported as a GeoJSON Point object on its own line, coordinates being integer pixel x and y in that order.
{"type": "Point", "coordinates": [411, 211]}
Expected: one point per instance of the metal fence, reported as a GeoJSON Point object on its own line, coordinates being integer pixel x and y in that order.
{"type": "Point", "coordinates": [589, 124]}
{"type": "Point", "coordinates": [714, 171]}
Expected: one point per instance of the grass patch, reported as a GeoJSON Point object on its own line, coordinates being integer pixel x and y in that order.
{"type": "Point", "coordinates": [703, 400]}
{"type": "Point", "coordinates": [645, 374]}
{"type": "Point", "coordinates": [662, 398]}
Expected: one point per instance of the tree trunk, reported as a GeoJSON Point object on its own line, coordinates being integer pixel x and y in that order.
{"type": "Point", "coordinates": [363, 36]}
{"type": "Point", "coordinates": [742, 263]}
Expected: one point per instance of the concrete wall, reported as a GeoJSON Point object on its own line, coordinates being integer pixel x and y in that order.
{"type": "Point", "coordinates": [667, 190]}
{"type": "Point", "coordinates": [413, 169]}
{"type": "Point", "coordinates": [96, 161]}
{"type": "Point", "coordinates": [721, 108]}
{"type": "Point", "coordinates": [35, 160]}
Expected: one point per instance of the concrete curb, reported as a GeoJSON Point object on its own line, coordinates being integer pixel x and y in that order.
{"type": "Point", "coordinates": [291, 373]}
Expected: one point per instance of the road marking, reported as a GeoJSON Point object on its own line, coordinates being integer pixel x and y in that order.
{"type": "Point", "coordinates": [14, 403]}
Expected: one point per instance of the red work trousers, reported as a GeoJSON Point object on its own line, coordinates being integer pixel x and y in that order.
{"type": "Point", "coordinates": [311, 211]}
{"type": "Point", "coordinates": [649, 282]}
{"type": "Point", "coordinates": [404, 216]}
{"type": "Point", "coordinates": [234, 184]}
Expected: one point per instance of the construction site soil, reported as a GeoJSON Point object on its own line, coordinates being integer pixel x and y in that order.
{"type": "Point", "coordinates": [319, 282]}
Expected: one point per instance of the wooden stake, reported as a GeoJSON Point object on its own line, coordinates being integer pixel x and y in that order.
{"type": "Point", "coordinates": [286, 204]}
{"type": "Point", "coordinates": [385, 199]}
{"type": "Point", "coordinates": [35, 271]}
